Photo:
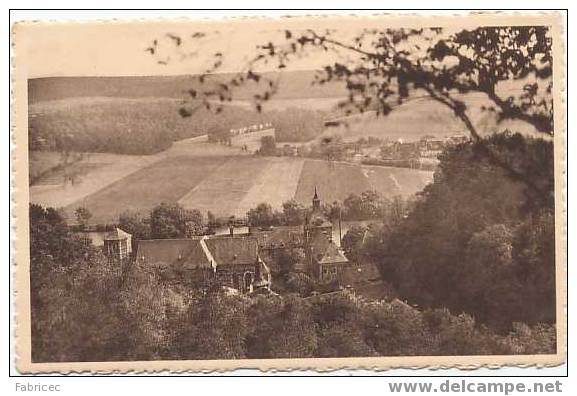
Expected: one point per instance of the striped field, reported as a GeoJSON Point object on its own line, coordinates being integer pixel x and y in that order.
{"type": "Point", "coordinates": [224, 181]}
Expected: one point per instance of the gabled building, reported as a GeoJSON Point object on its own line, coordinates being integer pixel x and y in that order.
{"type": "Point", "coordinates": [325, 261]}
{"type": "Point", "coordinates": [182, 256]}
{"type": "Point", "coordinates": [231, 260]}
{"type": "Point", "coordinates": [331, 265]}
{"type": "Point", "coordinates": [244, 261]}
{"type": "Point", "coordinates": [117, 245]}
{"type": "Point", "coordinates": [274, 241]}
{"type": "Point", "coordinates": [238, 263]}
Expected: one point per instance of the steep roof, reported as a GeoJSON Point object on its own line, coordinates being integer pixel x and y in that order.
{"type": "Point", "coordinates": [333, 255]}
{"type": "Point", "coordinates": [116, 235]}
{"type": "Point", "coordinates": [228, 250]}
{"type": "Point", "coordinates": [319, 243]}
{"type": "Point", "coordinates": [174, 253]}
{"type": "Point", "coordinates": [262, 274]}
{"type": "Point", "coordinates": [281, 236]}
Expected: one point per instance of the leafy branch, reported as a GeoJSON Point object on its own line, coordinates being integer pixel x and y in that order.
{"type": "Point", "coordinates": [391, 66]}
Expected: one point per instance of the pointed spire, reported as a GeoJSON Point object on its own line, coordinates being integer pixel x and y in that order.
{"type": "Point", "coordinates": [316, 201]}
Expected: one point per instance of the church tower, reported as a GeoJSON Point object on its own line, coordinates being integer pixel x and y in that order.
{"type": "Point", "coordinates": [316, 201]}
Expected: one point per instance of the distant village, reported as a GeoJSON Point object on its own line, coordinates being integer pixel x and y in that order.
{"type": "Point", "coordinates": [418, 154]}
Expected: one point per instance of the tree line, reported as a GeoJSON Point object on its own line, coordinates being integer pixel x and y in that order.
{"type": "Point", "coordinates": [368, 205]}
{"type": "Point", "coordinates": [171, 220]}
{"type": "Point", "coordinates": [86, 308]}
{"type": "Point", "coordinates": [475, 240]}
{"type": "Point", "coordinates": [148, 127]}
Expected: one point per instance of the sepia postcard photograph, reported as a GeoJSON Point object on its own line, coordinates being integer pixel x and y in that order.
{"type": "Point", "coordinates": [285, 193]}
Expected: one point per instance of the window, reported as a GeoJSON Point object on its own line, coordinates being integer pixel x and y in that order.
{"type": "Point", "coordinates": [248, 280]}
{"type": "Point", "coordinates": [328, 272]}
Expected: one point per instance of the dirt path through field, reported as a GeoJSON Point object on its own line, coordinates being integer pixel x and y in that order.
{"type": "Point", "coordinates": [397, 181]}
{"type": "Point", "coordinates": [337, 180]}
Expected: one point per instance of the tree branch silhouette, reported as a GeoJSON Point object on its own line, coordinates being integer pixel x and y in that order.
{"type": "Point", "coordinates": [392, 65]}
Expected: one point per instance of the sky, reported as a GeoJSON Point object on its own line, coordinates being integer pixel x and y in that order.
{"type": "Point", "coordinates": [118, 48]}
